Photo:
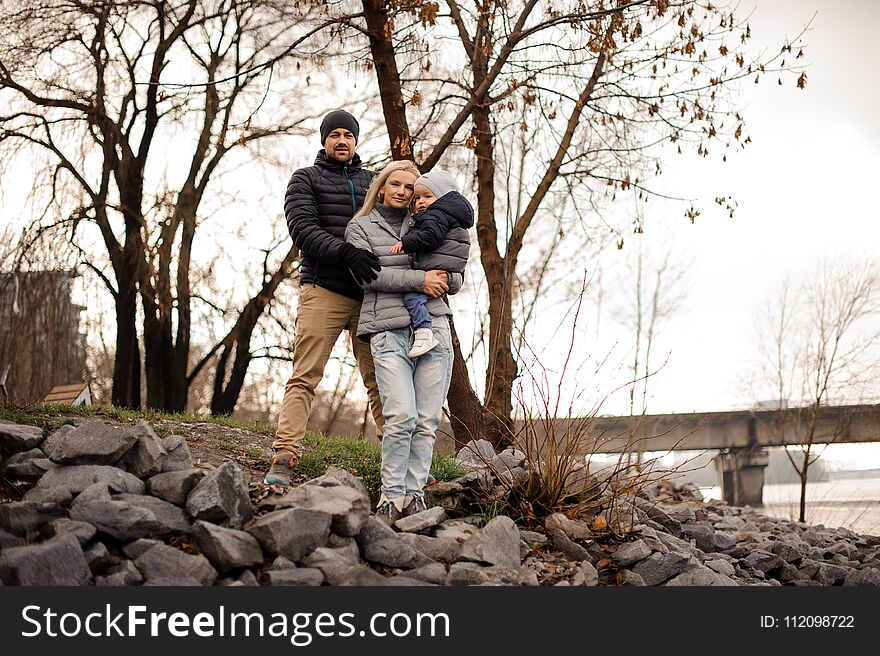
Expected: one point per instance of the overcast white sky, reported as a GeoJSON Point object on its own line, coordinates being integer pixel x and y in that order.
{"type": "Point", "coordinates": [805, 189]}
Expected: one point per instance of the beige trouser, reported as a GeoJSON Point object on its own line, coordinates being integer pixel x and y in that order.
{"type": "Point", "coordinates": [321, 316]}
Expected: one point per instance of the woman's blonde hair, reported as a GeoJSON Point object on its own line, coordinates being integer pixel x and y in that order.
{"type": "Point", "coordinates": [379, 182]}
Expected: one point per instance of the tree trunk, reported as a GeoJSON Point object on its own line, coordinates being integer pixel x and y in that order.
{"type": "Point", "coordinates": [225, 397]}
{"type": "Point", "coordinates": [127, 361]}
{"type": "Point", "coordinates": [465, 409]}
{"type": "Point", "coordinates": [501, 369]}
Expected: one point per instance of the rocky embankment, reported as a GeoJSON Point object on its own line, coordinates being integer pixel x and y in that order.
{"type": "Point", "coordinates": [104, 505]}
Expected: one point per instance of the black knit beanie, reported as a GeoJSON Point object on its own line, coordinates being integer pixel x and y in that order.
{"type": "Point", "coordinates": [339, 118]}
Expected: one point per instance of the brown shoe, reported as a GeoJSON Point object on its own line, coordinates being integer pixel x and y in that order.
{"type": "Point", "coordinates": [415, 506]}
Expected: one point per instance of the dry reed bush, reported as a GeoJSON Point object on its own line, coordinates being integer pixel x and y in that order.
{"type": "Point", "coordinates": [560, 439]}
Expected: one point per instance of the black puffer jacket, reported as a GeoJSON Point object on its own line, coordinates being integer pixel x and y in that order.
{"type": "Point", "coordinates": [318, 205]}
{"type": "Point", "coordinates": [438, 237]}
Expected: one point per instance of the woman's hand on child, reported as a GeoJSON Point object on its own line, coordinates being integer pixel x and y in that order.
{"type": "Point", "coordinates": [397, 248]}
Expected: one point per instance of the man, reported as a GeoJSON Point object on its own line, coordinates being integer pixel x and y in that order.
{"type": "Point", "coordinates": [318, 205]}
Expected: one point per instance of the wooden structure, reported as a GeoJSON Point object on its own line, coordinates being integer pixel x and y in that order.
{"type": "Point", "coordinates": [77, 394]}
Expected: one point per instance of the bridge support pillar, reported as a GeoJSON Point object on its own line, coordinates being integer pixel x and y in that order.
{"type": "Point", "coordinates": [741, 472]}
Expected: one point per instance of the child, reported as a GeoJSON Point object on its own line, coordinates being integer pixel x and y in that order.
{"type": "Point", "coordinates": [437, 239]}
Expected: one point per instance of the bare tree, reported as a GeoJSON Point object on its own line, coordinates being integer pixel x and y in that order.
{"type": "Point", "coordinates": [652, 289]}
{"type": "Point", "coordinates": [819, 346]}
{"type": "Point", "coordinates": [137, 109]}
{"type": "Point", "coordinates": [606, 86]}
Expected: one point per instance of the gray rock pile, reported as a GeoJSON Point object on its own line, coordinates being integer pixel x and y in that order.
{"type": "Point", "coordinates": [117, 507]}
{"type": "Point", "coordinates": [673, 537]}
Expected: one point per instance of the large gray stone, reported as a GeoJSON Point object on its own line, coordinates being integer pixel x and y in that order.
{"type": "Point", "coordinates": [421, 521]}
{"type": "Point", "coordinates": [434, 573]}
{"type": "Point", "coordinates": [141, 545]}
{"type": "Point", "coordinates": [785, 550]}
{"type": "Point", "coordinates": [293, 532]}
{"type": "Point", "coordinates": [167, 514]}
{"type": "Point", "coordinates": [148, 454]}
{"type": "Point", "coordinates": [477, 574]}
{"type": "Point", "coordinates": [497, 543]}
{"type": "Point", "coordinates": [722, 542]}
{"type": "Point", "coordinates": [9, 540]}
{"type": "Point", "coordinates": [347, 546]}
{"type": "Point", "coordinates": [64, 526]}
{"type": "Point", "coordinates": [654, 513]}
{"type": "Point", "coordinates": [348, 507]}
{"type": "Point", "coordinates": [867, 576]}
{"type": "Point", "coordinates": [333, 563]}
{"type": "Point", "coordinates": [20, 517]}
{"type": "Point", "coordinates": [93, 443]}
{"type": "Point", "coordinates": [131, 518]}
{"type": "Point", "coordinates": [586, 575]}
{"type": "Point", "coordinates": [174, 487]}
{"type": "Point", "coordinates": [508, 460]}
{"type": "Point", "coordinates": [630, 553]}
{"type": "Point", "coordinates": [763, 560]}
{"type": "Point", "coordinates": [394, 552]}
{"type": "Point", "coordinates": [702, 534]}
{"type": "Point", "coordinates": [304, 576]}
{"type": "Point", "coordinates": [445, 550]}
{"type": "Point", "coordinates": [657, 568]}
{"type": "Point", "coordinates": [721, 566]}
{"type": "Point", "coordinates": [17, 437]}
{"type": "Point", "coordinates": [77, 478]}
{"type": "Point", "coordinates": [226, 548]}
{"type": "Point", "coordinates": [164, 563]}
{"type": "Point", "coordinates": [362, 575]}
{"type": "Point", "coordinates": [476, 454]}
{"type": "Point", "coordinates": [831, 574]}
{"type": "Point", "coordinates": [341, 475]}
{"type": "Point", "coordinates": [49, 444]}
{"type": "Point", "coordinates": [58, 561]}
{"type": "Point", "coordinates": [677, 545]}
{"type": "Point", "coordinates": [97, 556]}
{"type": "Point", "coordinates": [571, 550]}
{"type": "Point", "coordinates": [221, 497]}
{"type": "Point", "coordinates": [628, 577]}
{"type": "Point", "coordinates": [574, 529]}
{"type": "Point", "coordinates": [123, 574]}
{"type": "Point", "coordinates": [703, 577]}
{"type": "Point", "coordinates": [58, 495]}
{"type": "Point", "coordinates": [178, 456]}
{"type": "Point", "coordinates": [101, 491]}
{"type": "Point", "coordinates": [26, 466]}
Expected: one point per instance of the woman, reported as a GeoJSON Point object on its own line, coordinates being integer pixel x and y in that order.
{"type": "Point", "coordinates": [412, 391]}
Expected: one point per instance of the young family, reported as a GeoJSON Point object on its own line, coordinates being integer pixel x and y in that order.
{"type": "Point", "coordinates": [378, 252]}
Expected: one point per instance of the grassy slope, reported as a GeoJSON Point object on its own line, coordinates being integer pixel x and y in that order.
{"type": "Point", "coordinates": [213, 439]}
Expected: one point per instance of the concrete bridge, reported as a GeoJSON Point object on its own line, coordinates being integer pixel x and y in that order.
{"type": "Point", "coordinates": [741, 436]}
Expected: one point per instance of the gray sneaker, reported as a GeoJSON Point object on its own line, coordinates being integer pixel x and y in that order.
{"type": "Point", "coordinates": [415, 506]}
{"type": "Point", "coordinates": [282, 468]}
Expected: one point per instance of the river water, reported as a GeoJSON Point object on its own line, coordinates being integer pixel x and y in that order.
{"type": "Point", "coordinates": [851, 503]}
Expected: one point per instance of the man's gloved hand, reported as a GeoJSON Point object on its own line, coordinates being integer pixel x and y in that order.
{"type": "Point", "coordinates": [363, 264]}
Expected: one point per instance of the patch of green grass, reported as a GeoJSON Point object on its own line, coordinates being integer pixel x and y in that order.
{"type": "Point", "coordinates": [362, 459]}
{"type": "Point", "coordinates": [358, 456]}
{"type": "Point", "coordinates": [443, 467]}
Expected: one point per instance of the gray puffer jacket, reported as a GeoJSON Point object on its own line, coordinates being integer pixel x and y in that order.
{"type": "Point", "coordinates": [383, 307]}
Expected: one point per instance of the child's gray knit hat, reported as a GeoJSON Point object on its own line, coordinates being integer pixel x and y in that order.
{"type": "Point", "coordinates": [438, 181]}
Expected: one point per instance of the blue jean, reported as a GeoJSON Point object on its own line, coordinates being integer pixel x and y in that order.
{"type": "Point", "coordinates": [412, 393]}
{"type": "Point", "coordinates": [417, 305]}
